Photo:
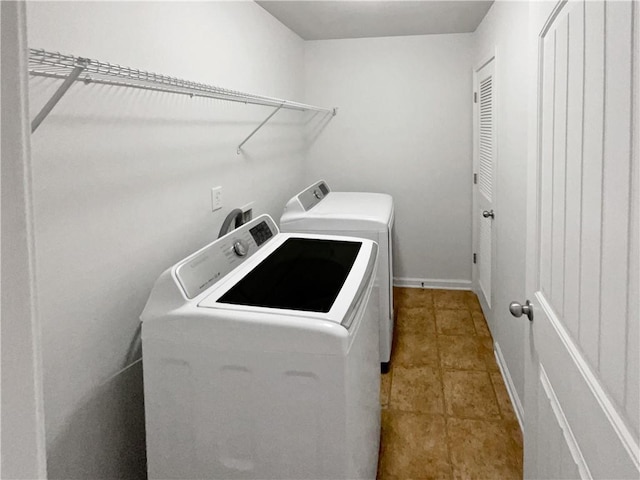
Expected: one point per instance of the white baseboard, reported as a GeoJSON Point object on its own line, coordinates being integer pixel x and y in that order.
{"type": "Point", "coordinates": [511, 388]}
{"type": "Point", "coordinates": [431, 283]}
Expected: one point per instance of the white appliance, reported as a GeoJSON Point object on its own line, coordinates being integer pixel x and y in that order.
{"type": "Point", "coordinates": [260, 356]}
{"type": "Point", "coordinates": [317, 209]}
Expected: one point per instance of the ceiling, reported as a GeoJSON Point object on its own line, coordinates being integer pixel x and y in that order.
{"type": "Point", "coordinates": [330, 19]}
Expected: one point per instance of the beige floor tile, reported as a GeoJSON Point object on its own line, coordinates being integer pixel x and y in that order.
{"type": "Point", "coordinates": [490, 356]}
{"type": "Point", "coordinates": [412, 297]}
{"type": "Point", "coordinates": [516, 435]}
{"type": "Point", "coordinates": [464, 352]}
{"type": "Point", "coordinates": [469, 395]}
{"type": "Point", "coordinates": [450, 299]}
{"type": "Point", "coordinates": [413, 446]}
{"type": "Point", "coordinates": [483, 450]}
{"type": "Point", "coordinates": [453, 371]}
{"type": "Point", "coordinates": [414, 349]}
{"type": "Point", "coordinates": [382, 476]}
{"type": "Point", "coordinates": [479, 322]}
{"type": "Point", "coordinates": [472, 302]}
{"type": "Point", "coordinates": [454, 322]}
{"type": "Point", "coordinates": [385, 389]}
{"type": "Point", "coordinates": [416, 389]}
{"type": "Point", "coordinates": [504, 401]}
{"type": "Point", "coordinates": [419, 320]}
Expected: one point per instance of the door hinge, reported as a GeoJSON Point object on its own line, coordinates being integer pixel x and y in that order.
{"type": "Point", "coordinates": [475, 258]}
{"type": "Point", "coordinates": [475, 97]}
{"type": "Point", "coordinates": [475, 178]}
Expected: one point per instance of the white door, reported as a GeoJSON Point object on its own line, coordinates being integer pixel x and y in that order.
{"type": "Point", "coordinates": [581, 353]}
{"type": "Point", "coordinates": [484, 167]}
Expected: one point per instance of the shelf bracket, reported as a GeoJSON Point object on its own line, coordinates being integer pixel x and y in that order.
{"type": "Point", "coordinates": [62, 89]}
{"type": "Point", "coordinates": [259, 127]}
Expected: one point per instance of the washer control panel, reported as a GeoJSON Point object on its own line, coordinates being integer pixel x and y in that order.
{"type": "Point", "coordinates": [261, 233]}
{"type": "Point", "coordinates": [204, 268]}
{"type": "Point", "coordinates": [240, 248]}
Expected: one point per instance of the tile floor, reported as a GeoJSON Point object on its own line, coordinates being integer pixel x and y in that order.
{"type": "Point", "coordinates": [445, 410]}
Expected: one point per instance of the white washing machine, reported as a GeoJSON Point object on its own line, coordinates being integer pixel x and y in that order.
{"type": "Point", "coordinates": [317, 209]}
{"type": "Point", "coordinates": [260, 355]}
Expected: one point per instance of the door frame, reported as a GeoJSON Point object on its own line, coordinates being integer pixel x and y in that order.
{"type": "Point", "coordinates": [487, 58]}
{"type": "Point", "coordinates": [23, 425]}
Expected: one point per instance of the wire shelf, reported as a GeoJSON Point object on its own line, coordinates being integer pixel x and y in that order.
{"type": "Point", "coordinates": [70, 68]}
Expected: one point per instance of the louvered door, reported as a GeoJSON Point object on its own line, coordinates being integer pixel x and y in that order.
{"type": "Point", "coordinates": [485, 155]}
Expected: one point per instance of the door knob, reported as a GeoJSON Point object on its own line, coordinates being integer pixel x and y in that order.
{"type": "Point", "coordinates": [517, 309]}
{"type": "Point", "coordinates": [488, 214]}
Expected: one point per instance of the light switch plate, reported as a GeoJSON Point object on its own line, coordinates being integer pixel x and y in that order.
{"type": "Point", "coordinates": [216, 198]}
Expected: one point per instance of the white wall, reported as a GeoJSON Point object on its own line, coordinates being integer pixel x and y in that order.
{"type": "Point", "coordinates": [504, 31]}
{"type": "Point", "coordinates": [122, 180]}
{"type": "Point", "coordinates": [404, 128]}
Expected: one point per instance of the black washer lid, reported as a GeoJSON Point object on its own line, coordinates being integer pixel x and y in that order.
{"type": "Point", "coordinates": [302, 274]}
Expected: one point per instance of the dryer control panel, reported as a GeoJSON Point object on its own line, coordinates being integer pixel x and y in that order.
{"type": "Point", "coordinates": [308, 198]}
{"type": "Point", "coordinates": [204, 268]}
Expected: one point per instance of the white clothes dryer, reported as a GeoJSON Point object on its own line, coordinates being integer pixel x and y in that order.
{"type": "Point", "coordinates": [318, 209]}
{"type": "Point", "coordinates": [260, 359]}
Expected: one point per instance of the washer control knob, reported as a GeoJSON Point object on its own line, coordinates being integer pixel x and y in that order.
{"type": "Point", "coordinates": [316, 194]}
{"type": "Point", "coordinates": [241, 248]}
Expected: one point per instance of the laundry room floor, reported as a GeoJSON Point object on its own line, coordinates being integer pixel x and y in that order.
{"type": "Point", "coordinates": [446, 413]}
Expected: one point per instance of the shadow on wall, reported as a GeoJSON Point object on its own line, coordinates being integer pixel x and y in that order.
{"type": "Point", "coordinates": [135, 348]}
{"type": "Point", "coordinates": [105, 439]}
{"type": "Point", "coordinates": [315, 125]}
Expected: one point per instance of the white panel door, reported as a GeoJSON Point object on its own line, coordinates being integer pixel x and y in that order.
{"type": "Point", "coordinates": [484, 166]}
{"type": "Point", "coordinates": [581, 351]}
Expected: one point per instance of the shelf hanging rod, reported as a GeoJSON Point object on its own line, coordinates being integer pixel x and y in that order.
{"type": "Point", "coordinates": [56, 65]}
{"type": "Point", "coordinates": [155, 88]}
